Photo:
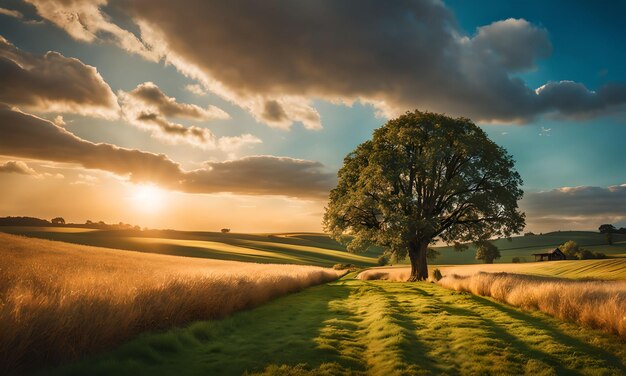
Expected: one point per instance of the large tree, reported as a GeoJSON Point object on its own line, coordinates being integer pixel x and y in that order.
{"type": "Point", "coordinates": [423, 177]}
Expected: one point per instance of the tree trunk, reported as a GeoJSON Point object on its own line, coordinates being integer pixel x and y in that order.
{"type": "Point", "coordinates": [419, 262]}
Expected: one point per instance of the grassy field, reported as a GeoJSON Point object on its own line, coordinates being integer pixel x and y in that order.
{"type": "Point", "coordinates": [369, 327]}
{"type": "Point", "coordinates": [607, 269]}
{"type": "Point", "coordinates": [291, 248]}
{"type": "Point", "coordinates": [297, 248]}
{"type": "Point", "coordinates": [59, 301]}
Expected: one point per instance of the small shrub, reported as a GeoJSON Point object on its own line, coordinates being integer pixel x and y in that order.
{"type": "Point", "coordinates": [516, 260]}
{"type": "Point", "coordinates": [382, 260]}
{"type": "Point", "coordinates": [343, 266]}
{"type": "Point", "coordinates": [225, 230]}
{"type": "Point", "coordinates": [437, 275]}
{"type": "Point", "coordinates": [600, 255]}
{"type": "Point", "coordinates": [586, 254]}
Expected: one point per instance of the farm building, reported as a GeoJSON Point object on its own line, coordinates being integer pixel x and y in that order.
{"type": "Point", "coordinates": [553, 255]}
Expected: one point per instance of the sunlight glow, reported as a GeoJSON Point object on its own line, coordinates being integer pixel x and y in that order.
{"type": "Point", "coordinates": [148, 198]}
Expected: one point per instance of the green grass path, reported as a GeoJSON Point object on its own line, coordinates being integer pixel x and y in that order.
{"type": "Point", "coordinates": [374, 328]}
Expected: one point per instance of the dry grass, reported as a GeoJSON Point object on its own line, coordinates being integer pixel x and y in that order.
{"type": "Point", "coordinates": [389, 273]}
{"type": "Point", "coordinates": [59, 301]}
{"type": "Point", "coordinates": [596, 304]}
{"type": "Point", "coordinates": [609, 269]}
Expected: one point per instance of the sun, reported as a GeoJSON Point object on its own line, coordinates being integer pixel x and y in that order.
{"type": "Point", "coordinates": [148, 198]}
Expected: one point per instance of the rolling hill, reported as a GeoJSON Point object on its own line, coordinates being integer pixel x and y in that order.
{"type": "Point", "coordinates": [298, 248]}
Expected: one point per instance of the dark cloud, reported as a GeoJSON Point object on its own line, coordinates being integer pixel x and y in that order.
{"type": "Point", "coordinates": [397, 56]}
{"type": "Point", "coordinates": [28, 136]}
{"type": "Point", "coordinates": [582, 207]}
{"type": "Point", "coordinates": [273, 111]}
{"type": "Point", "coordinates": [53, 83]}
{"type": "Point", "coordinates": [263, 175]}
{"type": "Point", "coordinates": [572, 99]}
{"type": "Point", "coordinates": [17, 167]}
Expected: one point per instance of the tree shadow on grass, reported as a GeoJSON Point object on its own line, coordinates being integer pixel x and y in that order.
{"type": "Point", "coordinates": [576, 344]}
{"type": "Point", "coordinates": [414, 351]}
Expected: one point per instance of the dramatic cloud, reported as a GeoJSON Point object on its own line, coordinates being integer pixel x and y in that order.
{"type": "Point", "coordinates": [17, 167]}
{"type": "Point", "coordinates": [28, 136]}
{"type": "Point", "coordinates": [273, 58]}
{"type": "Point", "coordinates": [152, 98]}
{"type": "Point", "coordinates": [148, 107]}
{"type": "Point", "coordinates": [577, 207]}
{"type": "Point", "coordinates": [53, 83]}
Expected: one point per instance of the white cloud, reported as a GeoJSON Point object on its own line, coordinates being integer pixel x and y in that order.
{"type": "Point", "coordinates": [196, 89]}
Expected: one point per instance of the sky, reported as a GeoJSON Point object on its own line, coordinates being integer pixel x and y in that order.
{"type": "Point", "coordinates": [201, 115]}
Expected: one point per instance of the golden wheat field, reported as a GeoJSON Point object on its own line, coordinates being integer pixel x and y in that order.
{"type": "Point", "coordinates": [59, 301]}
{"type": "Point", "coordinates": [595, 304]}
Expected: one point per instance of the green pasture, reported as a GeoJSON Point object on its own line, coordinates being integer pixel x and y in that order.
{"type": "Point", "coordinates": [354, 327]}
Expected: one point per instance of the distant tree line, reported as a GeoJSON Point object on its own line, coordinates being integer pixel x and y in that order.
{"type": "Point", "coordinates": [23, 221]}
{"type": "Point", "coordinates": [60, 222]}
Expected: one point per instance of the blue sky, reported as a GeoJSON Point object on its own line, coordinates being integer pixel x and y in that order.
{"type": "Point", "coordinates": [556, 148]}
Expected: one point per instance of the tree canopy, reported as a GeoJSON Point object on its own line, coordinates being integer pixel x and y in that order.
{"type": "Point", "coordinates": [423, 177]}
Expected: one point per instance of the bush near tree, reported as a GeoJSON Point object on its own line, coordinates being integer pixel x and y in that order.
{"type": "Point", "coordinates": [382, 260]}
{"type": "Point", "coordinates": [573, 251]}
{"type": "Point", "coordinates": [487, 251]}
